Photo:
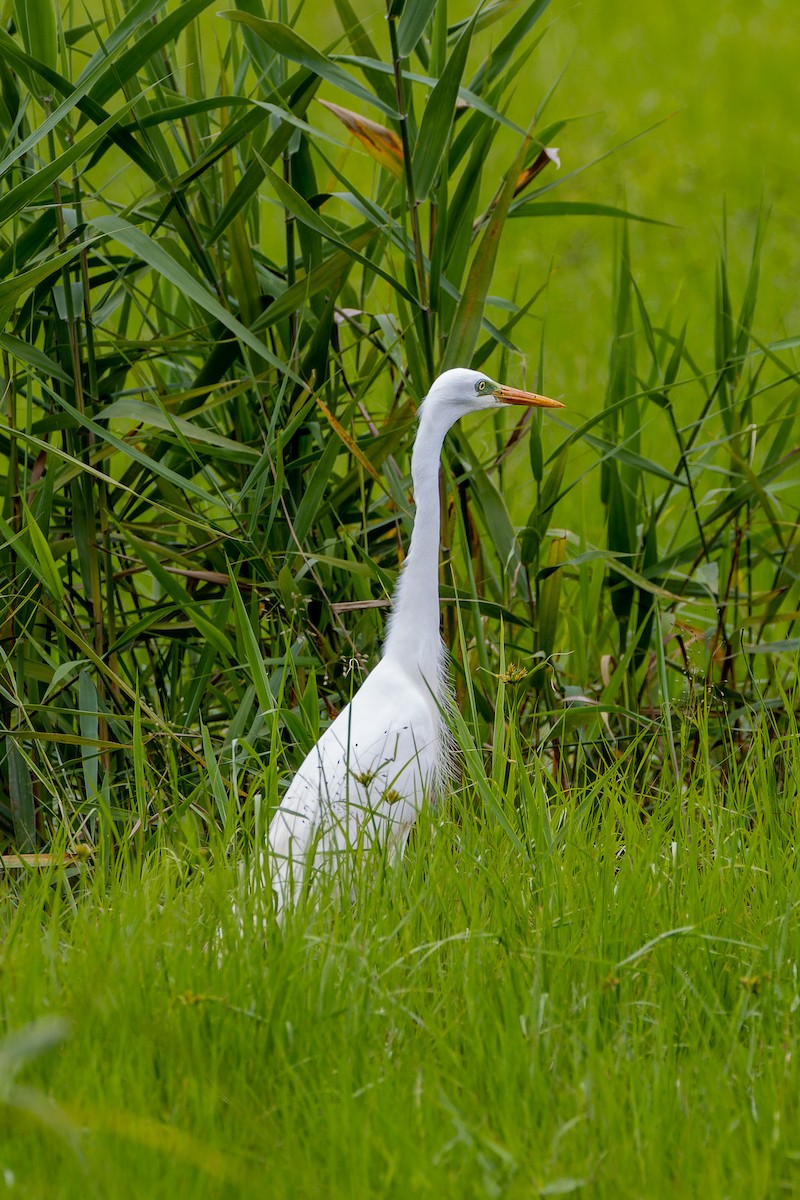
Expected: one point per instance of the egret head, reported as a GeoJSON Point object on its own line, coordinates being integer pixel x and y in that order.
{"type": "Point", "coordinates": [460, 391]}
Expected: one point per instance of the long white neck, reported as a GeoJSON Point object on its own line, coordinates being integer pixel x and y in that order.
{"type": "Point", "coordinates": [413, 636]}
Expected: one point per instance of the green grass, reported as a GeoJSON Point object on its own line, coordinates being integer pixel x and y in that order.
{"type": "Point", "coordinates": [596, 995]}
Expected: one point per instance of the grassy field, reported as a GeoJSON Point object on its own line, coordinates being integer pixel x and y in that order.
{"type": "Point", "coordinates": [601, 999]}
{"type": "Point", "coordinates": [583, 977]}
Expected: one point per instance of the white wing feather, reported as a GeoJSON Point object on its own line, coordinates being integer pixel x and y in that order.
{"type": "Point", "coordinates": [363, 782]}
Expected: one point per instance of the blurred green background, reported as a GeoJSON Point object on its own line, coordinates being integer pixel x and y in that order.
{"type": "Point", "coordinates": [723, 78]}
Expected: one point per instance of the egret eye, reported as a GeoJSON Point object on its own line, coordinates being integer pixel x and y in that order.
{"type": "Point", "coordinates": [481, 386]}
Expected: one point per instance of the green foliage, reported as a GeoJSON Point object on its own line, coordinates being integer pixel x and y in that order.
{"type": "Point", "coordinates": [219, 322]}
{"type": "Point", "coordinates": [223, 295]}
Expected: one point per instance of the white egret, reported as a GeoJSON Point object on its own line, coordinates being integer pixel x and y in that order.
{"type": "Point", "coordinates": [366, 778]}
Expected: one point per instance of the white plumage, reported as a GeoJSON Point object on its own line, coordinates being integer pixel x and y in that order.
{"type": "Point", "coordinates": [364, 780]}
{"type": "Point", "coordinates": [388, 750]}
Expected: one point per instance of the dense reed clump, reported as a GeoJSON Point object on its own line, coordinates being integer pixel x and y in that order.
{"type": "Point", "coordinates": [219, 321]}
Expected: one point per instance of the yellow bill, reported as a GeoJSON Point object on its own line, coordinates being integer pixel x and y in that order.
{"type": "Point", "coordinates": [510, 395]}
